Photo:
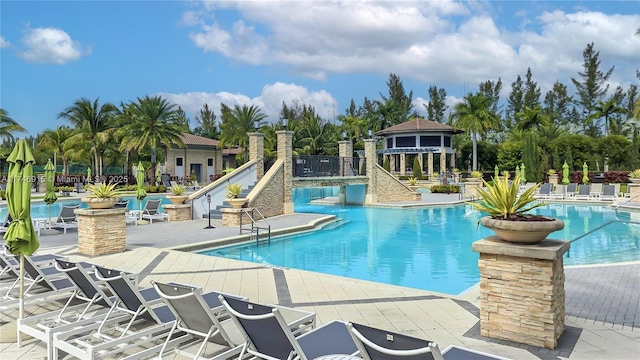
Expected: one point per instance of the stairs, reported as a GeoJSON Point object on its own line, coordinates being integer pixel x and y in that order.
{"type": "Point", "coordinates": [217, 212]}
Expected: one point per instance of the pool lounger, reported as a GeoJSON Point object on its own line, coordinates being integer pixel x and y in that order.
{"type": "Point", "coordinates": [374, 344]}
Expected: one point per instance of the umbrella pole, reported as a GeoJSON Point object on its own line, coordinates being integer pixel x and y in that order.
{"type": "Point", "coordinates": [140, 203]}
{"type": "Point", "coordinates": [21, 301]}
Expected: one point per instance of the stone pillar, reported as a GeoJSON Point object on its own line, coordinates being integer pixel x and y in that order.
{"type": "Point", "coordinates": [430, 165]}
{"type": "Point", "coordinates": [285, 152]}
{"type": "Point", "coordinates": [370, 155]}
{"type": "Point", "coordinates": [361, 163]}
{"type": "Point", "coordinates": [101, 231]}
{"type": "Point", "coordinates": [256, 152]}
{"type": "Point", "coordinates": [553, 179]}
{"type": "Point", "coordinates": [453, 159]}
{"type": "Point", "coordinates": [522, 296]}
{"type": "Point", "coordinates": [392, 163]}
{"type": "Point", "coordinates": [345, 152]}
{"type": "Point", "coordinates": [443, 162]}
{"type": "Point", "coordinates": [634, 191]}
{"type": "Point", "coordinates": [421, 161]}
{"type": "Point", "coordinates": [342, 195]}
{"type": "Point", "coordinates": [403, 163]}
{"type": "Point", "coordinates": [233, 217]}
{"type": "Point", "coordinates": [471, 188]}
{"type": "Point", "coordinates": [179, 212]}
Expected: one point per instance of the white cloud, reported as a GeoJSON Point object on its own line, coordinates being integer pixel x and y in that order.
{"type": "Point", "coordinates": [4, 43]}
{"type": "Point", "coordinates": [270, 100]}
{"type": "Point", "coordinates": [442, 42]}
{"type": "Point", "coordinates": [51, 45]}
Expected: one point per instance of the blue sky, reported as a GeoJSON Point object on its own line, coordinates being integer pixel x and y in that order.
{"type": "Point", "coordinates": [323, 53]}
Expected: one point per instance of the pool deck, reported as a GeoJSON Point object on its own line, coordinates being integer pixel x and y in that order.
{"type": "Point", "coordinates": [602, 302]}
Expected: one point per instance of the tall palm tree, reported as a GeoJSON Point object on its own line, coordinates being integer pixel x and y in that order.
{"type": "Point", "coordinates": [8, 126]}
{"type": "Point", "coordinates": [474, 115]}
{"type": "Point", "coordinates": [604, 109]}
{"type": "Point", "coordinates": [315, 135]}
{"type": "Point", "coordinates": [531, 118]}
{"type": "Point", "coordinates": [236, 123]}
{"type": "Point", "coordinates": [148, 123]}
{"type": "Point", "coordinates": [56, 140]}
{"type": "Point", "coordinates": [93, 124]}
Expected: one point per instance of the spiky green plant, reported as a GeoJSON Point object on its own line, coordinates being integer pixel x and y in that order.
{"type": "Point", "coordinates": [103, 190]}
{"type": "Point", "coordinates": [635, 174]}
{"type": "Point", "coordinates": [412, 181]}
{"type": "Point", "coordinates": [501, 200]}
{"type": "Point", "coordinates": [178, 189]}
{"type": "Point", "coordinates": [233, 190]}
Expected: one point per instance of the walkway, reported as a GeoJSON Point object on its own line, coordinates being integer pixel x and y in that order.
{"type": "Point", "coordinates": [596, 296]}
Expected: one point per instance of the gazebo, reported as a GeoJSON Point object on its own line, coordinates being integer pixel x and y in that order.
{"type": "Point", "coordinates": [418, 137]}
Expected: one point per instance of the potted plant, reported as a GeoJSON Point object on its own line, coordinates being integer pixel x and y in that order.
{"type": "Point", "coordinates": [634, 176]}
{"type": "Point", "coordinates": [102, 196]}
{"type": "Point", "coordinates": [476, 176]}
{"type": "Point", "coordinates": [233, 191]}
{"type": "Point", "coordinates": [412, 182]}
{"type": "Point", "coordinates": [178, 196]}
{"type": "Point", "coordinates": [507, 212]}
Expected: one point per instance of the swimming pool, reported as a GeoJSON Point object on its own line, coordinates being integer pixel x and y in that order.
{"type": "Point", "coordinates": [430, 248]}
{"type": "Point", "coordinates": [41, 210]}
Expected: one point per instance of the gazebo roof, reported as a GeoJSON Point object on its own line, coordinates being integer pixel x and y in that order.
{"type": "Point", "coordinates": [195, 140]}
{"type": "Point", "coordinates": [419, 125]}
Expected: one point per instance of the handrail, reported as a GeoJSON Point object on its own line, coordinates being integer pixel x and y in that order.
{"type": "Point", "coordinates": [616, 205]}
{"type": "Point", "coordinates": [254, 226]}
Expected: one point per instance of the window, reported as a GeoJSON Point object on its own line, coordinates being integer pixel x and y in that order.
{"type": "Point", "coordinates": [430, 141]}
{"type": "Point", "coordinates": [405, 141]}
{"type": "Point", "coordinates": [390, 143]}
{"type": "Point", "coordinates": [447, 141]}
{"type": "Point", "coordinates": [178, 161]}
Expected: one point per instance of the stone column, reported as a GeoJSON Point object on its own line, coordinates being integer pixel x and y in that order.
{"type": "Point", "coordinates": [285, 152]}
{"type": "Point", "coordinates": [443, 162]}
{"type": "Point", "coordinates": [634, 191]}
{"type": "Point", "coordinates": [392, 163]}
{"type": "Point", "coordinates": [403, 164]}
{"type": "Point", "coordinates": [179, 212]}
{"type": "Point", "coordinates": [256, 152]}
{"type": "Point", "coordinates": [342, 195]}
{"type": "Point", "coordinates": [553, 179]}
{"type": "Point", "coordinates": [471, 188]}
{"type": "Point", "coordinates": [370, 155]}
{"type": "Point", "coordinates": [522, 294]}
{"type": "Point", "coordinates": [453, 159]}
{"type": "Point", "coordinates": [420, 160]}
{"type": "Point", "coordinates": [430, 165]}
{"type": "Point", "coordinates": [345, 152]}
{"type": "Point", "coordinates": [101, 231]}
{"type": "Point", "coordinates": [361, 162]}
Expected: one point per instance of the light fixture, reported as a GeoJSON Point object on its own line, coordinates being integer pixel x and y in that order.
{"type": "Point", "coordinates": [370, 134]}
{"type": "Point", "coordinates": [285, 122]}
{"type": "Point", "coordinates": [344, 134]}
{"type": "Point", "coordinates": [257, 125]}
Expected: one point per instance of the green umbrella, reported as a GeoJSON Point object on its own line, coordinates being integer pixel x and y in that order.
{"type": "Point", "coordinates": [49, 174]}
{"type": "Point", "coordinates": [89, 175]}
{"type": "Point", "coordinates": [140, 193]}
{"type": "Point", "coordinates": [517, 171]}
{"type": "Point", "coordinates": [496, 172]}
{"type": "Point", "coordinates": [20, 236]}
{"type": "Point", "coordinates": [158, 175]}
{"type": "Point", "coordinates": [523, 175]}
{"type": "Point", "coordinates": [585, 173]}
{"type": "Point", "coordinates": [565, 173]}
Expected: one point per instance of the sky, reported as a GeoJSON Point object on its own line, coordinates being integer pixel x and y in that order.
{"type": "Point", "coordinates": [317, 52]}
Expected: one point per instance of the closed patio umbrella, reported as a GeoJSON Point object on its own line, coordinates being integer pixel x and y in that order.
{"type": "Point", "coordinates": [523, 175]}
{"type": "Point", "coordinates": [20, 236]}
{"type": "Point", "coordinates": [517, 171]}
{"type": "Point", "coordinates": [496, 172]}
{"type": "Point", "coordinates": [158, 175]}
{"type": "Point", "coordinates": [89, 175]}
{"type": "Point", "coordinates": [585, 173]}
{"type": "Point", "coordinates": [140, 193]}
{"type": "Point", "coordinates": [49, 175]}
{"type": "Point", "coordinates": [565, 173]}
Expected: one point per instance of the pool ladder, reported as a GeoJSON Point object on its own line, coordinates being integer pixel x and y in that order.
{"type": "Point", "coordinates": [255, 227]}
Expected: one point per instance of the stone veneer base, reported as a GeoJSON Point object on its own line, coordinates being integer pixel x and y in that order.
{"type": "Point", "coordinates": [522, 295]}
{"type": "Point", "coordinates": [101, 231]}
{"type": "Point", "coordinates": [180, 212]}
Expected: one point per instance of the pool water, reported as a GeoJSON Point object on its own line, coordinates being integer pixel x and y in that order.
{"type": "Point", "coordinates": [430, 248]}
{"type": "Point", "coordinates": [41, 210]}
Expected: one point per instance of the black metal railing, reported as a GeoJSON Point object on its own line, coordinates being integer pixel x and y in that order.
{"type": "Point", "coordinates": [320, 165]}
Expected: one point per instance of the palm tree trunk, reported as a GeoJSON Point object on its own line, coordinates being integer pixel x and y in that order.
{"type": "Point", "coordinates": [474, 141]}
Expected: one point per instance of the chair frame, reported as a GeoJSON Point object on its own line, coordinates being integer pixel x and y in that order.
{"type": "Point", "coordinates": [66, 222]}
{"type": "Point", "coordinates": [153, 213]}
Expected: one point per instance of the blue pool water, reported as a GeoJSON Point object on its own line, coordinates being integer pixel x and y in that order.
{"type": "Point", "coordinates": [430, 248]}
{"type": "Point", "coordinates": [41, 210]}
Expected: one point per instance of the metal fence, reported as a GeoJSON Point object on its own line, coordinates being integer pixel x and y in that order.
{"type": "Point", "coordinates": [320, 165]}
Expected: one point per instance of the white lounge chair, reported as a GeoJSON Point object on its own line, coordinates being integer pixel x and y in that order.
{"type": "Point", "coordinates": [378, 344]}
{"type": "Point", "coordinates": [583, 192]}
{"type": "Point", "coordinates": [152, 212]}
{"type": "Point", "coordinates": [609, 193]}
{"type": "Point", "coordinates": [572, 188]}
{"type": "Point", "coordinates": [67, 218]}
{"type": "Point", "coordinates": [560, 192]}
{"type": "Point", "coordinates": [544, 192]}
{"type": "Point", "coordinates": [595, 190]}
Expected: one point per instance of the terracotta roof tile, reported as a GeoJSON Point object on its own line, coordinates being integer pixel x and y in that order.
{"type": "Point", "coordinates": [417, 125]}
{"type": "Point", "coordinates": [190, 139]}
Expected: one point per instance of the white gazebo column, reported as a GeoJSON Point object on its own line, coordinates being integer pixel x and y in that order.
{"type": "Point", "coordinates": [430, 165]}
{"type": "Point", "coordinates": [403, 163]}
{"type": "Point", "coordinates": [421, 161]}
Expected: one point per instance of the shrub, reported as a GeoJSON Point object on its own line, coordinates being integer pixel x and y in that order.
{"type": "Point", "coordinates": [447, 189]}
{"type": "Point", "coordinates": [635, 174]}
{"type": "Point", "coordinates": [412, 181]}
{"type": "Point", "coordinates": [387, 164]}
{"type": "Point", "coordinates": [417, 169]}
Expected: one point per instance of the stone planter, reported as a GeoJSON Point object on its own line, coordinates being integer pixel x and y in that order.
{"type": "Point", "coordinates": [237, 203]}
{"type": "Point", "coordinates": [526, 232]}
{"type": "Point", "coordinates": [177, 199]}
{"type": "Point", "coordinates": [100, 203]}
{"type": "Point", "coordinates": [635, 180]}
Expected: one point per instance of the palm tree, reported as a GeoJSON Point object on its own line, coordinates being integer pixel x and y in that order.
{"type": "Point", "coordinates": [148, 123]}
{"type": "Point", "coordinates": [236, 123]}
{"type": "Point", "coordinates": [8, 126]}
{"type": "Point", "coordinates": [56, 141]}
{"type": "Point", "coordinates": [92, 124]}
{"type": "Point", "coordinates": [604, 109]}
{"type": "Point", "coordinates": [315, 135]}
{"type": "Point", "coordinates": [531, 118]}
{"type": "Point", "coordinates": [474, 115]}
